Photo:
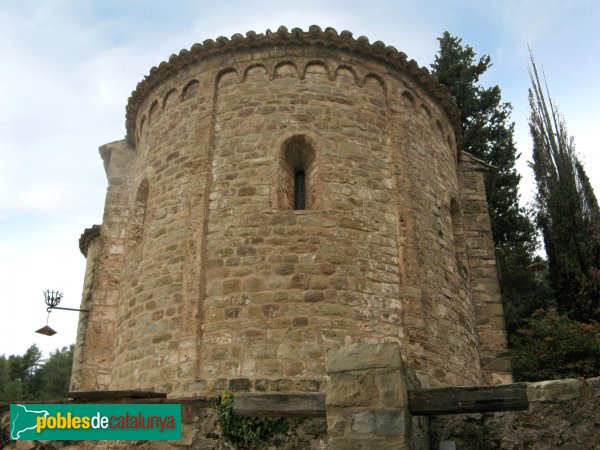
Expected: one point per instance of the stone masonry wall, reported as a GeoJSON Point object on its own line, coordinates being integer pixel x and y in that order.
{"type": "Point", "coordinates": [437, 306]}
{"type": "Point", "coordinates": [158, 316]}
{"type": "Point", "coordinates": [562, 415]}
{"type": "Point", "coordinates": [90, 246]}
{"type": "Point", "coordinates": [97, 329]}
{"type": "Point", "coordinates": [483, 271]}
{"type": "Point", "coordinates": [288, 284]}
{"type": "Point", "coordinates": [213, 276]}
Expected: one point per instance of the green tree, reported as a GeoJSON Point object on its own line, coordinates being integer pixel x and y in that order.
{"type": "Point", "coordinates": [567, 209]}
{"type": "Point", "coordinates": [28, 377]}
{"type": "Point", "coordinates": [20, 372]}
{"type": "Point", "coordinates": [10, 389]}
{"type": "Point", "coordinates": [52, 379]}
{"type": "Point", "coordinates": [487, 133]}
{"type": "Point", "coordinates": [22, 367]}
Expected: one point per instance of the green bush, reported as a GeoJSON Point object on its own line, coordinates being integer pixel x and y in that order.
{"type": "Point", "coordinates": [552, 346]}
{"type": "Point", "coordinates": [249, 432]}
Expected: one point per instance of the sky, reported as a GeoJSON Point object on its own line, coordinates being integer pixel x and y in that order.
{"type": "Point", "coordinates": [67, 68]}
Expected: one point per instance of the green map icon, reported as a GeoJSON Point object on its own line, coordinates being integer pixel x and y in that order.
{"type": "Point", "coordinates": [23, 419]}
{"type": "Point", "coordinates": [76, 422]}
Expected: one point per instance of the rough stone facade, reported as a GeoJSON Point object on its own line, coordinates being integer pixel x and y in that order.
{"type": "Point", "coordinates": [204, 275]}
{"type": "Point", "coordinates": [562, 414]}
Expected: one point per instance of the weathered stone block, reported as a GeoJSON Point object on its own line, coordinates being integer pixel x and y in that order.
{"type": "Point", "coordinates": [240, 385]}
{"type": "Point", "coordinates": [363, 357]}
{"type": "Point", "coordinates": [391, 387]}
{"type": "Point", "coordinates": [344, 389]}
{"type": "Point", "coordinates": [300, 281]}
{"type": "Point", "coordinates": [313, 296]}
{"type": "Point", "coordinates": [384, 422]}
{"type": "Point", "coordinates": [284, 269]}
{"type": "Point", "coordinates": [553, 391]}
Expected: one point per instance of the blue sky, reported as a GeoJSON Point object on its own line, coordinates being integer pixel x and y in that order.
{"type": "Point", "coordinates": [68, 67]}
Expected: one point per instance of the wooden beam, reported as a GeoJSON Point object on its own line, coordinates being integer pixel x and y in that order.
{"type": "Point", "coordinates": [113, 395]}
{"type": "Point", "coordinates": [279, 405]}
{"type": "Point", "coordinates": [460, 400]}
{"type": "Point", "coordinates": [421, 402]}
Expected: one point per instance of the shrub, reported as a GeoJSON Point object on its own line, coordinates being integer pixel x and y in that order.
{"type": "Point", "coordinates": [553, 346]}
{"type": "Point", "coordinates": [249, 432]}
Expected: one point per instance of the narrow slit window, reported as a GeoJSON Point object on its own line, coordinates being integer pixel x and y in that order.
{"type": "Point", "coordinates": [299, 190]}
{"type": "Point", "coordinates": [296, 190]}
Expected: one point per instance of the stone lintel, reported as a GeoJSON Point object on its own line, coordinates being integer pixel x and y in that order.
{"type": "Point", "coordinates": [363, 357]}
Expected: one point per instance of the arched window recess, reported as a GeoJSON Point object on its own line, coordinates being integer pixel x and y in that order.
{"type": "Point", "coordinates": [139, 211]}
{"type": "Point", "coordinates": [298, 174]}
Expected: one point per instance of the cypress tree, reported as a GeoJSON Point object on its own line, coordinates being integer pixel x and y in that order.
{"type": "Point", "coordinates": [567, 209]}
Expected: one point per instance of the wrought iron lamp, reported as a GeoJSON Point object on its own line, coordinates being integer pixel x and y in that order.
{"type": "Point", "coordinates": [52, 299]}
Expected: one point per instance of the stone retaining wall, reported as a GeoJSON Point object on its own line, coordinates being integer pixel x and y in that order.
{"type": "Point", "coordinates": [368, 407]}
{"type": "Point", "coordinates": [563, 414]}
